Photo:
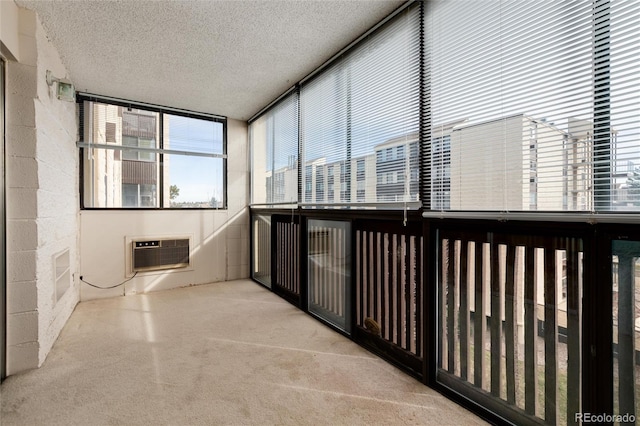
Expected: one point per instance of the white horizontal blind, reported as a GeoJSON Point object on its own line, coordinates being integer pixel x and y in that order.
{"type": "Point", "coordinates": [622, 43]}
{"type": "Point", "coordinates": [360, 121]}
{"type": "Point", "coordinates": [512, 105]}
{"type": "Point", "coordinates": [274, 154]}
{"type": "Point", "coordinates": [192, 135]}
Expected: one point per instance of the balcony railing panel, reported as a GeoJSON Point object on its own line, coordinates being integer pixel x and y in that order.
{"type": "Point", "coordinates": [510, 328]}
{"type": "Point", "coordinates": [626, 328]}
{"type": "Point", "coordinates": [139, 172]}
{"type": "Point", "coordinates": [506, 331]}
{"type": "Point", "coordinates": [287, 252]}
{"type": "Point", "coordinates": [389, 277]}
{"type": "Point", "coordinates": [261, 256]}
{"type": "Point", "coordinates": [329, 271]}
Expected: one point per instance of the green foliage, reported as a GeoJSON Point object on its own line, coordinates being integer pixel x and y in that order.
{"type": "Point", "coordinates": [174, 192]}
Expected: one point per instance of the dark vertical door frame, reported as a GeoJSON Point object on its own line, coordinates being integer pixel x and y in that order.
{"type": "Point", "coordinates": [3, 249]}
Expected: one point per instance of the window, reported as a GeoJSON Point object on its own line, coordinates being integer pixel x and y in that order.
{"type": "Point", "coordinates": [538, 103]}
{"type": "Point", "coordinates": [274, 152]}
{"type": "Point", "coordinates": [362, 112]}
{"type": "Point", "coordinates": [150, 157]}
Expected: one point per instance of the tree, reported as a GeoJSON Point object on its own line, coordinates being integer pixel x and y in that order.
{"type": "Point", "coordinates": [174, 192]}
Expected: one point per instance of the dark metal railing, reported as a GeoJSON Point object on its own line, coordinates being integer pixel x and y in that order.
{"type": "Point", "coordinates": [261, 249]}
{"type": "Point", "coordinates": [532, 323]}
{"type": "Point", "coordinates": [329, 271]}
{"type": "Point", "coordinates": [503, 300]}
{"type": "Point", "coordinates": [287, 257]}
{"type": "Point", "coordinates": [389, 277]}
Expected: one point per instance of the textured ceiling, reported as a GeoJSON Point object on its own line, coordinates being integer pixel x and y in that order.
{"type": "Point", "coordinates": [224, 57]}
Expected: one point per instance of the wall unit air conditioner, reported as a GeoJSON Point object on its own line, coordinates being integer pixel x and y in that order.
{"type": "Point", "coordinates": [153, 255]}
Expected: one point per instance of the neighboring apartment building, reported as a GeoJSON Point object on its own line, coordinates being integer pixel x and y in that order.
{"type": "Point", "coordinates": [281, 186]}
{"type": "Point", "coordinates": [397, 169]}
{"type": "Point", "coordinates": [120, 177]}
{"type": "Point", "coordinates": [139, 169]}
{"type": "Point", "coordinates": [340, 181]}
{"type": "Point", "coordinates": [534, 166]}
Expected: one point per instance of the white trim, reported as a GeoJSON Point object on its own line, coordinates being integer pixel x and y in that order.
{"type": "Point", "coordinates": [142, 149]}
{"type": "Point", "coordinates": [587, 217]}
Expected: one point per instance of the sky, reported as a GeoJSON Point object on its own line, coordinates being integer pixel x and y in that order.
{"type": "Point", "coordinates": [198, 178]}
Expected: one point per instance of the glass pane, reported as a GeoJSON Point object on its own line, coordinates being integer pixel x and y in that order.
{"type": "Point", "coordinates": [274, 154]}
{"type": "Point", "coordinates": [359, 121]}
{"type": "Point", "coordinates": [111, 181]}
{"type": "Point", "coordinates": [193, 182]}
{"type": "Point", "coordinates": [192, 134]}
{"type": "Point", "coordinates": [512, 100]}
{"type": "Point", "coordinates": [624, 77]}
{"type": "Point", "coordinates": [329, 271]}
{"type": "Point", "coordinates": [261, 269]}
{"type": "Point", "coordinates": [120, 177]}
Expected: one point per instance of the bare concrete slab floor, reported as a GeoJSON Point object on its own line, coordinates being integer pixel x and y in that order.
{"type": "Point", "coordinates": [221, 354]}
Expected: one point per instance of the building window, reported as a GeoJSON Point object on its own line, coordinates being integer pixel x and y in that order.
{"type": "Point", "coordinates": [319, 183]}
{"type": "Point", "coordinates": [344, 191]}
{"type": "Point", "coordinates": [441, 172]}
{"type": "Point", "coordinates": [360, 172]}
{"type": "Point", "coordinates": [330, 184]}
{"type": "Point", "coordinates": [307, 184]}
{"type": "Point", "coordinates": [149, 157]}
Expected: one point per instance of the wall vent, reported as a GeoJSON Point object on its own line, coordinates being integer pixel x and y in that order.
{"type": "Point", "coordinates": [153, 255]}
{"type": "Point", "coordinates": [62, 268]}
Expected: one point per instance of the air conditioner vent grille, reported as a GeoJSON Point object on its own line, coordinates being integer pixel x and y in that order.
{"type": "Point", "coordinates": [149, 255]}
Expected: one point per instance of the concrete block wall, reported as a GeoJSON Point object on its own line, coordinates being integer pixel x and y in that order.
{"type": "Point", "coordinates": [41, 189]}
{"type": "Point", "coordinates": [57, 200]}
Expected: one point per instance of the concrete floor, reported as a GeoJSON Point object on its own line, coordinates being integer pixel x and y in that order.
{"type": "Point", "coordinates": [227, 353]}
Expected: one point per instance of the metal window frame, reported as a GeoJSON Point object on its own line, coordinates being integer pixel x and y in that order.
{"type": "Point", "coordinates": [81, 97]}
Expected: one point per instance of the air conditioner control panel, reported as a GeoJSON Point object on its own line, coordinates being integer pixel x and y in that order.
{"type": "Point", "coordinates": [142, 244]}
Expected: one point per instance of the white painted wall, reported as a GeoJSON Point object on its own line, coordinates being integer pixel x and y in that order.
{"type": "Point", "coordinates": [220, 238]}
{"type": "Point", "coordinates": [42, 197]}
{"type": "Point", "coordinates": [43, 216]}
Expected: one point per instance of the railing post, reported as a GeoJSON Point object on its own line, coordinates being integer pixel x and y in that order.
{"type": "Point", "coordinates": [550, 337]}
{"type": "Point", "coordinates": [626, 334]}
{"type": "Point", "coordinates": [530, 331]}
